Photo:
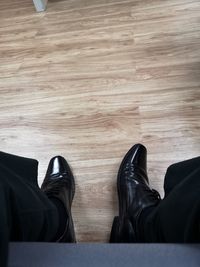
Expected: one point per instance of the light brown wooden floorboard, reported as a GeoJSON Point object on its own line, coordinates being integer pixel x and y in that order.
{"type": "Point", "coordinates": [88, 79]}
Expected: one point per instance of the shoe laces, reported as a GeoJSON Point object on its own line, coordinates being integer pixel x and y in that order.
{"type": "Point", "coordinates": [54, 186]}
{"type": "Point", "coordinates": [130, 170]}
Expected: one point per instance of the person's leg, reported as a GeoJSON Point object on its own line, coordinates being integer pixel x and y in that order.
{"type": "Point", "coordinates": [145, 218]}
{"type": "Point", "coordinates": [5, 222]}
{"type": "Point", "coordinates": [29, 213]}
{"type": "Point", "coordinates": [26, 213]}
{"type": "Point", "coordinates": [177, 217]}
{"type": "Point", "coordinates": [177, 172]}
{"type": "Point", "coordinates": [24, 167]}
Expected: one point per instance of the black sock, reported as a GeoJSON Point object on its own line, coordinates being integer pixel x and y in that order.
{"type": "Point", "coordinates": [63, 217]}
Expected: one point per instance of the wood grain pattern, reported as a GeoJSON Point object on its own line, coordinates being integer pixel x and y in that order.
{"type": "Point", "coordinates": [87, 79]}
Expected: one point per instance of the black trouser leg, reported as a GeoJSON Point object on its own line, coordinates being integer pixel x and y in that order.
{"type": "Point", "coordinates": [26, 213]}
{"type": "Point", "coordinates": [177, 172]}
{"type": "Point", "coordinates": [177, 217]}
{"type": "Point", "coordinates": [26, 168]}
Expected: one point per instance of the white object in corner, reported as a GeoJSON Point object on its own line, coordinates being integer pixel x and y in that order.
{"type": "Point", "coordinates": [40, 5]}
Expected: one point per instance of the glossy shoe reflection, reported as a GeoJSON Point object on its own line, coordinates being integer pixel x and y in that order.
{"type": "Point", "coordinates": [134, 195]}
{"type": "Point", "coordinates": [59, 183]}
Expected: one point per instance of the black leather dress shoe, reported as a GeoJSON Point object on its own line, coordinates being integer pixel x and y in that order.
{"type": "Point", "coordinates": [59, 183]}
{"type": "Point", "coordinates": [134, 195]}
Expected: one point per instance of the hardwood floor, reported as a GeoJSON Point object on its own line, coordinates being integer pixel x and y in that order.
{"type": "Point", "coordinates": [88, 79]}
